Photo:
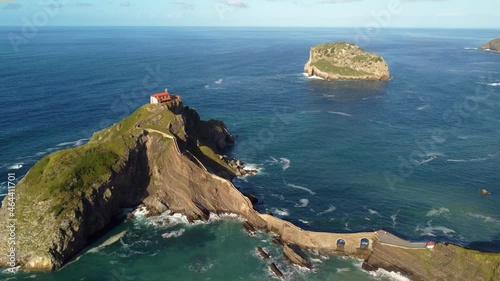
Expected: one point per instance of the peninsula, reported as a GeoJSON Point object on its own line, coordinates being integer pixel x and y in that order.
{"type": "Point", "coordinates": [493, 45]}
{"type": "Point", "coordinates": [164, 157]}
{"type": "Point", "coordinates": [345, 61]}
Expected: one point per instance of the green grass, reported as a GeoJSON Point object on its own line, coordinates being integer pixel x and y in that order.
{"type": "Point", "coordinates": [328, 67]}
{"type": "Point", "coordinates": [62, 177]}
{"type": "Point", "coordinates": [335, 45]}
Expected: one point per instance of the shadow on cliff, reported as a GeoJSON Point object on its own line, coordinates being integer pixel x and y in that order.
{"type": "Point", "coordinates": [127, 189]}
{"type": "Point", "coordinates": [190, 147]}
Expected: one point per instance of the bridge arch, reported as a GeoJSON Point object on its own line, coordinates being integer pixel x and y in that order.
{"type": "Point", "coordinates": [364, 243]}
{"type": "Point", "coordinates": [340, 244]}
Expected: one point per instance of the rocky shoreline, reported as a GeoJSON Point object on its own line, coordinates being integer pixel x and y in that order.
{"type": "Point", "coordinates": [493, 45]}
{"type": "Point", "coordinates": [167, 159]}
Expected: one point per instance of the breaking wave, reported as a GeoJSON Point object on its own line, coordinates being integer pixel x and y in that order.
{"type": "Point", "coordinates": [437, 212]}
{"type": "Point", "coordinates": [302, 203]}
{"type": "Point", "coordinates": [433, 230]}
{"type": "Point", "coordinates": [329, 210]}
{"type": "Point", "coordinates": [423, 107]}
{"type": "Point", "coordinates": [486, 219]}
{"type": "Point", "coordinates": [391, 275]}
{"type": "Point", "coordinates": [373, 212]}
{"type": "Point", "coordinates": [173, 234]}
{"type": "Point", "coordinates": [285, 162]}
{"type": "Point", "coordinates": [340, 113]}
{"type": "Point", "coordinates": [312, 77]}
{"type": "Point", "coordinates": [469, 160]}
{"type": "Point", "coordinates": [16, 166]}
{"type": "Point", "coordinates": [280, 211]}
{"type": "Point", "coordinates": [301, 188]}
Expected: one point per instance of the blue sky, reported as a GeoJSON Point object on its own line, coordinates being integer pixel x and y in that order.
{"type": "Point", "coordinates": [327, 13]}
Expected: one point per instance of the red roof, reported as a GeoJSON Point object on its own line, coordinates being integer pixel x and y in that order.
{"type": "Point", "coordinates": [164, 96]}
{"type": "Point", "coordinates": [159, 95]}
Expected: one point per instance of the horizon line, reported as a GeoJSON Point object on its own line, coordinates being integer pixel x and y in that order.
{"type": "Point", "coordinates": [257, 26]}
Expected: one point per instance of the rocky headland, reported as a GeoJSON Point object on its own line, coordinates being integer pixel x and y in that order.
{"type": "Point", "coordinates": [164, 157]}
{"type": "Point", "coordinates": [345, 61]}
{"type": "Point", "coordinates": [493, 45]}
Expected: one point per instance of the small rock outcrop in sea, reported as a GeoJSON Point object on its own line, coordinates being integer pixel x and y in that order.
{"type": "Point", "coordinates": [493, 45]}
{"type": "Point", "coordinates": [485, 192]}
{"type": "Point", "coordinates": [295, 255]}
{"type": "Point", "coordinates": [276, 270]}
{"type": "Point", "coordinates": [345, 61]}
{"type": "Point", "coordinates": [263, 253]}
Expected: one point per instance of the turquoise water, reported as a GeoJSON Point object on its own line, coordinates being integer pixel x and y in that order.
{"type": "Point", "coordinates": [219, 250]}
{"type": "Point", "coordinates": [325, 150]}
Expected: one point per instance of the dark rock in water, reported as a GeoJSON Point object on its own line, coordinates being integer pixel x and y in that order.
{"type": "Point", "coordinates": [276, 270]}
{"type": "Point", "coordinates": [278, 241]}
{"type": "Point", "coordinates": [252, 197]}
{"type": "Point", "coordinates": [130, 216]}
{"type": "Point", "coordinates": [485, 192]}
{"type": "Point", "coordinates": [263, 253]}
{"type": "Point", "coordinates": [249, 228]}
{"type": "Point", "coordinates": [369, 267]}
{"type": "Point", "coordinates": [295, 255]}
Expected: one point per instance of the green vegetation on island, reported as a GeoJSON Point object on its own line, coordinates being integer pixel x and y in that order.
{"type": "Point", "coordinates": [493, 45]}
{"type": "Point", "coordinates": [343, 60]}
{"type": "Point", "coordinates": [158, 157]}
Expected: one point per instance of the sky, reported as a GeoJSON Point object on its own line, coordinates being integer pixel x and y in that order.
{"type": "Point", "coordinates": [293, 13]}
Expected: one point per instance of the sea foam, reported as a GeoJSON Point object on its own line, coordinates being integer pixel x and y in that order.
{"type": "Point", "coordinates": [382, 273]}
{"type": "Point", "coordinates": [173, 234]}
{"type": "Point", "coordinates": [301, 188]}
{"type": "Point", "coordinates": [285, 162]}
{"type": "Point", "coordinates": [16, 166]}
{"type": "Point", "coordinates": [330, 209]}
{"type": "Point", "coordinates": [280, 211]}
{"type": "Point", "coordinates": [340, 113]}
{"type": "Point", "coordinates": [312, 77]}
{"type": "Point", "coordinates": [302, 203]}
{"type": "Point", "coordinates": [486, 219]}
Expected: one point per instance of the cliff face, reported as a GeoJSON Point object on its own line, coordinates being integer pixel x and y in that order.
{"type": "Point", "coordinates": [493, 45]}
{"type": "Point", "coordinates": [160, 156]}
{"type": "Point", "coordinates": [346, 61]}
{"type": "Point", "coordinates": [71, 196]}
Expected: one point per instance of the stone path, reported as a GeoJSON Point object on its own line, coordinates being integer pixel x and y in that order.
{"type": "Point", "coordinates": [391, 239]}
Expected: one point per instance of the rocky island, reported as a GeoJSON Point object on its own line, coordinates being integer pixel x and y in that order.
{"type": "Point", "coordinates": [345, 61]}
{"type": "Point", "coordinates": [493, 45]}
{"type": "Point", "coordinates": [164, 157]}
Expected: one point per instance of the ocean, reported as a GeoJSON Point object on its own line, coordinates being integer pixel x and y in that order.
{"type": "Point", "coordinates": [409, 155]}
